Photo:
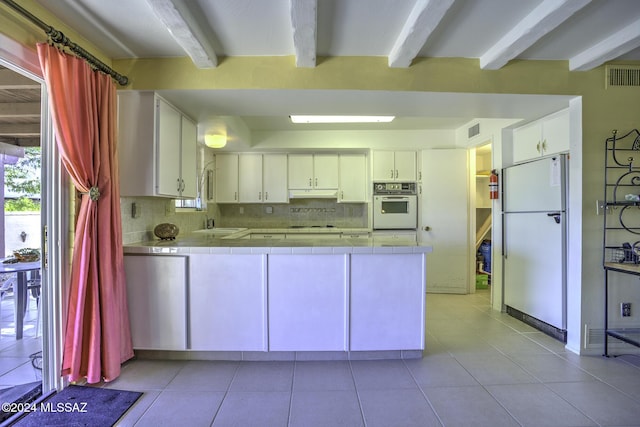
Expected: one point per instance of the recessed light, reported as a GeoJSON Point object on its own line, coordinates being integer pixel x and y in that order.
{"type": "Point", "coordinates": [341, 119]}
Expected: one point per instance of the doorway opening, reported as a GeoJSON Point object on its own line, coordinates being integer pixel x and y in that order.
{"type": "Point", "coordinates": [20, 71]}
{"type": "Point", "coordinates": [483, 216]}
{"type": "Point", "coordinates": [21, 343]}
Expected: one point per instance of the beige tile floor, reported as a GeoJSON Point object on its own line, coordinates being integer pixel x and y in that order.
{"type": "Point", "coordinates": [481, 368]}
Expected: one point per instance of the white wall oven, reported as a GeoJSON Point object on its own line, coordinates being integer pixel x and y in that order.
{"type": "Point", "coordinates": [395, 206]}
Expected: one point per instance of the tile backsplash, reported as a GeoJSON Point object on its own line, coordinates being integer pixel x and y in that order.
{"type": "Point", "coordinates": [152, 211]}
{"type": "Point", "coordinates": [299, 212]}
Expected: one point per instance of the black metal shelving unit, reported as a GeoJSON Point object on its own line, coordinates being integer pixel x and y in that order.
{"type": "Point", "coordinates": [621, 237]}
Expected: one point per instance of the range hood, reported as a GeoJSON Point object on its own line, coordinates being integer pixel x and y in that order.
{"type": "Point", "coordinates": [313, 194]}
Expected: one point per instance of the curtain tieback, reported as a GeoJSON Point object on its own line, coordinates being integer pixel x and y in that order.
{"type": "Point", "coordinates": [94, 194]}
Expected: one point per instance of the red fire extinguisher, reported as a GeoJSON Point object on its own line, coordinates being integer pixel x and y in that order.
{"type": "Point", "coordinates": [493, 185]}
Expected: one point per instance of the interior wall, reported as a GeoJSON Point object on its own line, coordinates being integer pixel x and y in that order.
{"type": "Point", "coordinates": [603, 109]}
{"type": "Point", "coordinates": [362, 140]}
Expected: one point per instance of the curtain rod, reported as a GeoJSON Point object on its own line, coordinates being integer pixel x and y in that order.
{"type": "Point", "coordinates": [59, 38]}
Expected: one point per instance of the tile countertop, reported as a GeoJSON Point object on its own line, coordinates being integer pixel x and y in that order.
{"type": "Point", "coordinates": [235, 243]}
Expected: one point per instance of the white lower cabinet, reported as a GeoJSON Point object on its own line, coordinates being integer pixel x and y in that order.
{"type": "Point", "coordinates": [157, 298]}
{"type": "Point", "coordinates": [227, 302]}
{"type": "Point", "coordinates": [404, 237]}
{"type": "Point", "coordinates": [387, 302]}
{"type": "Point", "coordinates": [308, 302]}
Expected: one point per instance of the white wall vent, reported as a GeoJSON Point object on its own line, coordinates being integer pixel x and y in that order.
{"type": "Point", "coordinates": [474, 130]}
{"type": "Point", "coordinates": [622, 75]}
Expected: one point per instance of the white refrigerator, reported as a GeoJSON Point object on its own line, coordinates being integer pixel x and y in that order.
{"type": "Point", "coordinates": [535, 235]}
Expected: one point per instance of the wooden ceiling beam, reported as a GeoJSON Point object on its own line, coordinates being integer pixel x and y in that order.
{"type": "Point", "coordinates": [615, 45]}
{"type": "Point", "coordinates": [422, 21]}
{"type": "Point", "coordinates": [186, 31]}
{"type": "Point", "coordinates": [11, 110]}
{"type": "Point", "coordinates": [304, 27]}
{"type": "Point", "coordinates": [544, 18]}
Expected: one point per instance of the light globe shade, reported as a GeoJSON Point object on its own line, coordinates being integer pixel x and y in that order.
{"type": "Point", "coordinates": [215, 140]}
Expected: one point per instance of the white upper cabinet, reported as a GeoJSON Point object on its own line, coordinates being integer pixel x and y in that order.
{"type": "Point", "coordinates": [169, 181]}
{"type": "Point", "coordinates": [547, 136]}
{"type": "Point", "coordinates": [188, 158]}
{"type": "Point", "coordinates": [226, 178]}
{"type": "Point", "coordinates": [353, 178]}
{"type": "Point", "coordinates": [274, 178]}
{"type": "Point", "coordinates": [262, 178]}
{"type": "Point", "coordinates": [313, 171]}
{"type": "Point", "coordinates": [301, 171]}
{"type": "Point", "coordinates": [157, 147]}
{"type": "Point", "coordinates": [394, 165]}
{"type": "Point", "coordinates": [250, 178]}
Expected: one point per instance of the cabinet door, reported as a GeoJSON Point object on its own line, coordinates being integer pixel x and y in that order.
{"type": "Point", "coordinates": [405, 165]}
{"type": "Point", "coordinates": [383, 166]}
{"type": "Point", "coordinates": [325, 171]}
{"type": "Point", "coordinates": [353, 178]}
{"type": "Point", "coordinates": [168, 140]}
{"type": "Point", "coordinates": [387, 308]}
{"type": "Point", "coordinates": [307, 302]}
{"type": "Point", "coordinates": [226, 178]}
{"type": "Point", "coordinates": [157, 296]}
{"type": "Point", "coordinates": [136, 143]}
{"type": "Point", "coordinates": [188, 164]}
{"type": "Point", "coordinates": [228, 302]}
{"type": "Point", "coordinates": [274, 178]}
{"type": "Point", "coordinates": [300, 171]}
{"type": "Point", "coordinates": [527, 142]}
{"type": "Point", "coordinates": [250, 178]}
{"type": "Point", "coordinates": [555, 133]}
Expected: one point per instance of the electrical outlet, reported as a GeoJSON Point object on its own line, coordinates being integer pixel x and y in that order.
{"type": "Point", "coordinates": [625, 309]}
{"type": "Point", "coordinates": [600, 207]}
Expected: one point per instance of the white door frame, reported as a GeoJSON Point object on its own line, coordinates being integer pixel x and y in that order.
{"type": "Point", "coordinates": [54, 218]}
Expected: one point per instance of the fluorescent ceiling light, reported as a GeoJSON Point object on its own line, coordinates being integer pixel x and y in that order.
{"type": "Point", "coordinates": [341, 119]}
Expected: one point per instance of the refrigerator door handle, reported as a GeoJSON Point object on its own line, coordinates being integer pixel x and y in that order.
{"type": "Point", "coordinates": [555, 216]}
{"type": "Point", "coordinates": [504, 236]}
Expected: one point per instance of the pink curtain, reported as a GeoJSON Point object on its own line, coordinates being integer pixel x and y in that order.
{"type": "Point", "coordinates": [83, 107]}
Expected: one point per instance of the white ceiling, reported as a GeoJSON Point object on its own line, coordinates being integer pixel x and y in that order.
{"type": "Point", "coordinates": [586, 33]}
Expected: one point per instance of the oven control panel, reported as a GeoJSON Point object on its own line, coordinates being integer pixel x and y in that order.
{"type": "Point", "coordinates": [394, 188]}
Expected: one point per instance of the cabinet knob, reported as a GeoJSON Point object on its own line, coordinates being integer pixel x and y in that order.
{"type": "Point", "coordinates": [266, 195]}
{"type": "Point", "coordinates": [538, 147]}
{"type": "Point", "coordinates": [391, 176]}
{"type": "Point", "coordinates": [316, 182]}
{"type": "Point", "coordinates": [544, 145]}
{"type": "Point", "coordinates": [259, 195]}
{"type": "Point", "coordinates": [310, 182]}
{"type": "Point", "coordinates": [426, 228]}
{"type": "Point", "coordinates": [396, 173]}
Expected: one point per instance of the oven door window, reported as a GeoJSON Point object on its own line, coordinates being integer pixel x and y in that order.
{"type": "Point", "coordinates": [395, 207]}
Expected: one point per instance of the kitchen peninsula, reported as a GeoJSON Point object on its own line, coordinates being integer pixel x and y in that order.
{"type": "Point", "coordinates": [339, 295]}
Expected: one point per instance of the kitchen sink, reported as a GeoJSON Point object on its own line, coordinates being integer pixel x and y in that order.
{"type": "Point", "coordinates": [220, 230]}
